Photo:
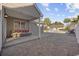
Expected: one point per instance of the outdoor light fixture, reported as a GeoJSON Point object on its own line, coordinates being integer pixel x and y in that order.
{"type": "Point", "coordinates": [5, 14]}
{"type": "Point", "coordinates": [40, 25]}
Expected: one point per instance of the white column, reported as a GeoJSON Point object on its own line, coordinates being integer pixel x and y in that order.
{"type": "Point", "coordinates": [0, 33]}
{"type": "Point", "coordinates": [0, 27]}
{"type": "Point", "coordinates": [3, 27]}
{"type": "Point", "coordinates": [39, 29]}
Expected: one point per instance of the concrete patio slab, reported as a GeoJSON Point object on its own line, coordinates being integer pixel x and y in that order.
{"type": "Point", "coordinates": [11, 41]}
{"type": "Point", "coordinates": [52, 44]}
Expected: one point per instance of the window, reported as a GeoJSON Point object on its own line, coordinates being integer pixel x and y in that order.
{"type": "Point", "coordinates": [22, 25]}
{"type": "Point", "coordinates": [16, 25]}
{"type": "Point", "coordinates": [19, 25]}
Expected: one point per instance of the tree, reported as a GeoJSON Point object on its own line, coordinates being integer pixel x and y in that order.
{"type": "Point", "coordinates": [74, 21]}
{"type": "Point", "coordinates": [78, 17]}
{"type": "Point", "coordinates": [47, 21]}
{"type": "Point", "coordinates": [67, 28]}
{"type": "Point", "coordinates": [67, 20]}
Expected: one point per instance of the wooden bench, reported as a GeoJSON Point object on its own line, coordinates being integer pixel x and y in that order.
{"type": "Point", "coordinates": [21, 33]}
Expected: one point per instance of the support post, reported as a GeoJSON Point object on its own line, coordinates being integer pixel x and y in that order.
{"type": "Point", "coordinates": [0, 32]}
{"type": "Point", "coordinates": [0, 29]}
{"type": "Point", "coordinates": [3, 27]}
{"type": "Point", "coordinates": [39, 29]}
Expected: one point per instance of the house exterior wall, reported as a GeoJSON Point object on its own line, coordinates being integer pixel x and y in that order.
{"type": "Point", "coordinates": [0, 33]}
{"type": "Point", "coordinates": [77, 33]}
{"type": "Point", "coordinates": [11, 25]}
{"type": "Point", "coordinates": [34, 28]}
{"type": "Point", "coordinates": [31, 25]}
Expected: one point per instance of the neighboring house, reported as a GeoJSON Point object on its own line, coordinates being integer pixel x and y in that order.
{"type": "Point", "coordinates": [55, 26]}
{"type": "Point", "coordinates": [19, 17]}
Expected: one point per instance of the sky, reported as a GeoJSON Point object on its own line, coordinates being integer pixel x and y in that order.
{"type": "Point", "coordinates": [59, 11]}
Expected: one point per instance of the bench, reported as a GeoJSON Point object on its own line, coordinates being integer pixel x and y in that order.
{"type": "Point", "coordinates": [21, 33]}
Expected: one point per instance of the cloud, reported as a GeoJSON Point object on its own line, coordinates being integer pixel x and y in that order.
{"type": "Point", "coordinates": [71, 7]}
{"type": "Point", "coordinates": [51, 14]}
{"type": "Point", "coordinates": [72, 10]}
{"type": "Point", "coordinates": [56, 9]}
{"type": "Point", "coordinates": [58, 15]}
{"type": "Point", "coordinates": [61, 3]}
{"type": "Point", "coordinates": [76, 13]}
{"type": "Point", "coordinates": [47, 9]}
{"type": "Point", "coordinates": [73, 16]}
{"type": "Point", "coordinates": [69, 16]}
{"type": "Point", "coordinates": [76, 5]}
{"type": "Point", "coordinates": [63, 15]}
{"type": "Point", "coordinates": [45, 4]}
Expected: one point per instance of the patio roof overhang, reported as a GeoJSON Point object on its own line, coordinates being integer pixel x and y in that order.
{"type": "Point", "coordinates": [27, 11]}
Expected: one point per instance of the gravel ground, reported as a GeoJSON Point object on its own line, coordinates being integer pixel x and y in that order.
{"type": "Point", "coordinates": [55, 44]}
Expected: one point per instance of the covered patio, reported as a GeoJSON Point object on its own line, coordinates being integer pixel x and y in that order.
{"type": "Point", "coordinates": [18, 21]}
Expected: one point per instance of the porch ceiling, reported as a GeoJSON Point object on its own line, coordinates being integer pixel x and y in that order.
{"type": "Point", "coordinates": [26, 11]}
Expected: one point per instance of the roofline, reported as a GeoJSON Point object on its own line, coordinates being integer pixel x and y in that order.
{"type": "Point", "coordinates": [38, 10]}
